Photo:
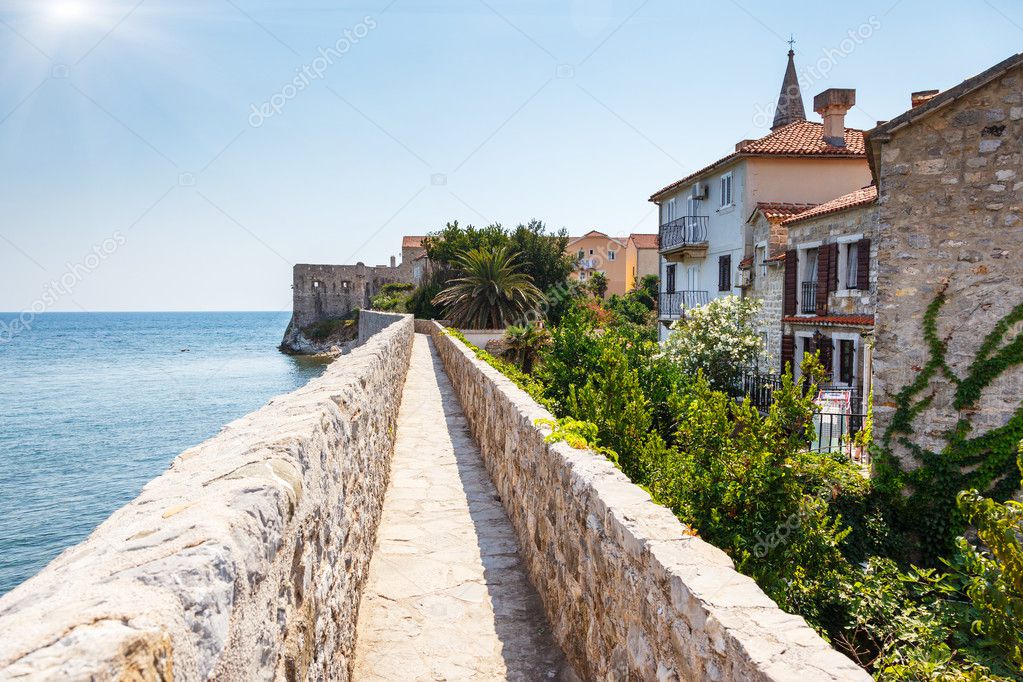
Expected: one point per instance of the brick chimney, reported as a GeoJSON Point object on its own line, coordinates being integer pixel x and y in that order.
{"type": "Point", "coordinates": [922, 97]}
{"type": "Point", "coordinates": [832, 105]}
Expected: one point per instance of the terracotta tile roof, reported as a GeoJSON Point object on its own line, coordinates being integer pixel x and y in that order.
{"type": "Point", "coordinates": [598, 233]}
{"type": "Point", "coordinates": [412, 241]}
{"type": "Point", "coordinates": [746, 262]}
{"type": "Point", "coordinates": [644, 240]}
{"type": "Point", "coordinates": [801, 138]}
{"type": "Point", "coordinates": [777, 259]}
{"type": "Point", "coordinates": [833, 320]}
{"type": "Point", "coordinates": [776, 210]}
{"type": "Point", "coordinates": [860, 197]}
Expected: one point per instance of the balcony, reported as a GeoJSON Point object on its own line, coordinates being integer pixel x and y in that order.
{"type": "Point", "coordinates": [808, 298]}
{"type": "Point", "coordinates": [674, 304]}
{"type": "Point", "coordinates": [685, 236]}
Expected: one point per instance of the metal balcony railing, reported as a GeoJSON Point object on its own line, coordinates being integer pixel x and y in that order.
{"type": "Point", "coordinates": [674, 303]}
{"type": "Point", "coordinates": [684, 231]}
{"type": "Point", "coordinates": [808, 298]}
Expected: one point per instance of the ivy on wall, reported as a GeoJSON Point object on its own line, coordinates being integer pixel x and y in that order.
{"type": "Point", "coordinates": [924, 497]}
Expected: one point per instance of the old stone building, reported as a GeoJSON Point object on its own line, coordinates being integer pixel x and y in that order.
{"type": "Point", "coordinates": [950, 178]}
{"type": "Point", "coordinates": [762, 270]}
{"type": "Point", "coordinates": [830, 285]}
{"type": "Point", "coordinates": [322, 292]}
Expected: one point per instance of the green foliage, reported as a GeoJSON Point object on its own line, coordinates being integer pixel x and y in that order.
{"type": "Point", "coordinates": [646, 291]}
{"type": "Point", "coordinates": [490, 291]}
{"type": "Point", "coordinates": [541, 254]}
{"type": "Point", "coordinates": [525, 344]}
{"type": "Point", "coordinates": [340, 328]}
{"type": "Point", "coordinates": [393, 297]}
{"type": "Point", "coordinates": [929, 514]}
{"type": "Point", "coordinates": [718, 339]}
{"type": "Point", "coordinates": [734, 475]}
{"type": "Point", "coordinates": [597, 284]}
{"type": "Point", "coordinates": [995, 571]}
{"type": "Point", "coordinates": [630, 309]}
{"type": "Point", "coordinates": [578, 434]}
{"type": "Point", "coordinates": [527, 383]}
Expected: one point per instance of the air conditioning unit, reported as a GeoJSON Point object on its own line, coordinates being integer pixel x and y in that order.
{"type": "Point", "coordinates": [745, 278]}
{"type": "Point", "coordinates": [700, 190]}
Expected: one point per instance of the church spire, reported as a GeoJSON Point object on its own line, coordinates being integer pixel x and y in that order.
{"type": "Point", "coordinates": [790, 101]}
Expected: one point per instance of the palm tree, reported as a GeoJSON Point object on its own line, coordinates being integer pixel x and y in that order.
{"type": "Point", "coordinates": [525, 344]}
{"type": "Point", "coordinates": [489, 291]}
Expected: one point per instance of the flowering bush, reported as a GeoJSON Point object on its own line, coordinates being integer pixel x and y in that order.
{"type": "Point", "coordinates": [719, 339]}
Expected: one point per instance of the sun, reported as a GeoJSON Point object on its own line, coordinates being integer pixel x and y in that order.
{"type": "Point", "coordinates": [68, 10]}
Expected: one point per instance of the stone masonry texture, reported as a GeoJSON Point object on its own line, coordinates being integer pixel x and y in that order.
{"type": "Point", "coordinates": [447, 596]}
{"type": "Point", "coordinates": [630, 595]}
{"type": "Point", "coordinates": [244, 561]}
{"type": "Point", "coordinates": [951, 214]}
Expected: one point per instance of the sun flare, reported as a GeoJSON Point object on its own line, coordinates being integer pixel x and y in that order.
{"type": "Point", "coordinates": [68, 11]}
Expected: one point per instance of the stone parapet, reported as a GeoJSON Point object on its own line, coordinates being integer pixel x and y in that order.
{"type": "Point", "coordinates": [629, 592]}
{"type": "Point", "coordinates": [243, 561]}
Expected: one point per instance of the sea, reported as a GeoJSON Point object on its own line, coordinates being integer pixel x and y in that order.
{"type": "Point", "coordinates": [94, 405]}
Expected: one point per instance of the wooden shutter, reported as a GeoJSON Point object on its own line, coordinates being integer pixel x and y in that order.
{"type": "Point", "coordinates": [724, 273]}
{"type": "Point", "coordinates": [833, 276]}
{"type": "Point", "coordinates": [827, 355]}
{"type": "Point", "coordinates": [791, 282]}
{"type": "Point", "coordinates": [788, 352]}
{"type": "Point", "coordinates": [863, 264]}
{"type": "Point", "coordinates": [823, 278]}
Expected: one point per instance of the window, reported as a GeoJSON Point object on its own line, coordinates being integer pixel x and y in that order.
{"type": "Point", "coordinates": [760, 261]}
{"type": "Point", "coordinates": [692, 278]}
{"type": "Point", "coordinates": [591, 252]}
{"type": "Point", "coordinates": [610, 254]}
{"type": "Point", "coordinates": [582, 276]}
{"type": "Point", "coordinates": [807, 347]}
{"type": "Point", "coordinates": [852, 261]}
{"type": "Point", "coordinates": [726, 190]}
{"type": "Point", "coordinates": [316, 284]}
{"type": "Point", "coordinates": [669, 210]}
{"type": "Point", "coordinates": [725, 273]}
{"type": "Point", "coordinates": [582, 254]}
{"type": "Point", "coordinates": [669, 279]}
{"type": "Point", "coordinates": [846, 361]}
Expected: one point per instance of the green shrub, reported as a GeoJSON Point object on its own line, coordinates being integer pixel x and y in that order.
{"type": "Point", "coordinates": [994, 572]}
{"type": "Point", "coordinates": [340, 328]}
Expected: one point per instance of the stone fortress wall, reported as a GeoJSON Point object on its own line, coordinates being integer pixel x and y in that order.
{"type": "Point", "coordinates": [243, 561]}
{"type": "Point", "coordinates": [321, 292]}
{"type": "Point", "coordinates": [629, 593]}
{"type": "Point", "coordinates": [246, 559]}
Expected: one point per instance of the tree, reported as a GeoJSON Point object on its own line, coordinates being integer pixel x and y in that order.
{"type": "Point", "coordinates": [444, 248]}
{"type": "Point", "coordinates": [393, 297]}
{"type": "Point", "coordinates": [489, 291]}
{"type": "Point", "coordinates": [525, 344]}
{"type": "Point", "coordinates": [995, 573]}
{"type": "Point", "coordinates": [542, 255]}
{"type": "Point", "coordinates": [718, 339]}
{"type": "Point", "coordinates": [646, 291]}
{"type": "Point", "coordinates": [598, 284]}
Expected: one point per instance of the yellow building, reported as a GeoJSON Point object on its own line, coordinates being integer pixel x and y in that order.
{"type": "Point", "coordinates": [624, 260]}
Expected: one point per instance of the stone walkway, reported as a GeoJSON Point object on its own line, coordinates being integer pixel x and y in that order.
{"type": "Point", "coordinates": [447, 596]}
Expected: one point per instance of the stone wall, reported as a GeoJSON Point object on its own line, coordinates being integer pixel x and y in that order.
{"type": "Point", "coordinates": [321, 292]}
{"type": "Point", "coordinates": [629, 594]}
{"type": "Point", "coordinates": [951, 214]}
{"type": "Point", "coordinates": [372, 322]}
{"type": "Point", "coordinates": [244, 561]}
{"type": "Point", "coordinates": [767, 283]}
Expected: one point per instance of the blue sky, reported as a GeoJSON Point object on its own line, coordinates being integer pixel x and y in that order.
{"type": "Point", "coordinates": [136, 175]}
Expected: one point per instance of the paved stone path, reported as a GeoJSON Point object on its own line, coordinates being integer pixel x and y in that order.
{"type": "Point", "coordinates": [447, 596]}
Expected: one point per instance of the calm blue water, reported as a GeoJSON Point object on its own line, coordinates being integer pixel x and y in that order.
{"type": "Point", "coordinates": [92, 406]}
